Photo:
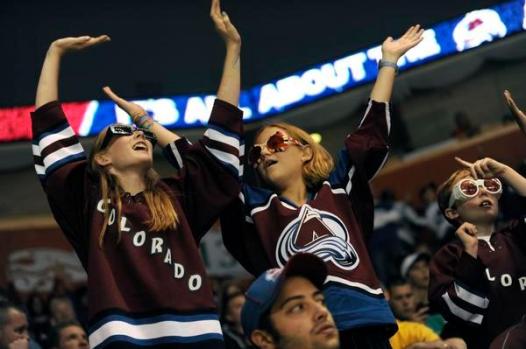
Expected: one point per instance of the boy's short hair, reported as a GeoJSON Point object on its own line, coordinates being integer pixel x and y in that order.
{"type": "Point", "coordinates": [445, 189]}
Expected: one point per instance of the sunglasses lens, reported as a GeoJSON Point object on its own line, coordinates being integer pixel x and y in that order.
{"type": "Point", "coordinates": [276, 142]}
{"type": "Point", "coordinates": [468, 188]}
{"type": "Point", "coordinates": [254, 155]}
{"type": "Point", "coordinates": [492, 185]}
{"type": "Point", "coordinates": [121, 129]}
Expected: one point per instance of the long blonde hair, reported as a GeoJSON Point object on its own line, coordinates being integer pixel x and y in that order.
{"type": "Point", "coordinates": [319, 167]}
{"type": "Point", "coordinates": [162, 212]}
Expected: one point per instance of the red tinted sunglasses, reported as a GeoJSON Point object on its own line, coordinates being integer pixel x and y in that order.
{"type": "Point", "coordinates": [468, 188]}
{"type": "Point", "coordinates": [278, 142]}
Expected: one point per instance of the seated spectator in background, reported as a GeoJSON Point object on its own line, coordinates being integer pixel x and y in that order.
{"type": "Point", "coordinates": [403, 303]}
{"type": "Point", "coordinates": [435, 220]}
{"type": "Point", "coordinates": [232, 302]}
{"type": "Point", "coordinates": [285, 308]}
{"type": "Point", "coordinates": [477, 281]}
{"type": "Point", "coordinates": [405, 307]}
{"type": "Point", "coordinates": [61, 309]}
{"type": "Point", "coordinates": [13, 327]}
{"type": "Point", "coordinates": [393, 234]}
{"type": "Point", "coordinates": [415, 269]}
{"type": "Point", "coordinates": [464, 128]}
{"type": "Point", "coordinates": [412, 331]}
{"type": "Point", "coordinates": [69, 335]}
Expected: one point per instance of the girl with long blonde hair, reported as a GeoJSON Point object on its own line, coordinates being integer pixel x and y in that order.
{"type": "Point", "coordinates": [137, 234]}
{"type": "Point", "coordinates": [307, 204]}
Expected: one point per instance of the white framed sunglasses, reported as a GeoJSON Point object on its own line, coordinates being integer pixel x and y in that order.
{"type": "Point", "coordinates": [468, 188]}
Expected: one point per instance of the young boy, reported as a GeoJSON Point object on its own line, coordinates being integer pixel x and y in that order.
{"type": "Point", "coordinates": [479, 281]}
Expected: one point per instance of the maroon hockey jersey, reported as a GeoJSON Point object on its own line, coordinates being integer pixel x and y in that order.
{"type": "Point", "coordinates": [150, 289]}
{"type": "Point", "coordinates": [481, 297]}
{"type": "Point", "coordinates": [263, 230]}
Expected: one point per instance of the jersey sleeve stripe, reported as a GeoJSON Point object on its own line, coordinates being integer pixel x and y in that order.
{"type": "Point", "coordinates": [462, 313]}
{"type": "Point", "coordinates": [48, 138]}
{"type": "Point", "coordinates": [219, 135]}
{"type": "Point", "coordinates": [471, 298]}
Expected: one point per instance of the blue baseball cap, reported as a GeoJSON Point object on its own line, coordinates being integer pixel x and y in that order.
{"type": "Point", "coordinates": [265, 289]}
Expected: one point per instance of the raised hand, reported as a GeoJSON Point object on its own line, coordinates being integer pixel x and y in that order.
{"type": "Point", "coordinates": [134, 110]}
{"type": "Point", "coordinates": [47, 89]}
{"type": "Point", "coordinates": [484, 168]}
{"type": "Point", "coordinates": [467, 233]}
{"type": "Point", "coordinates": [222, 23]}
{"type": "Point", "coordinates": [78, 43]}
{"type": "Point", "coordinates": [393, 49]}
{"type": "Point", "coordinates": [518, 114]}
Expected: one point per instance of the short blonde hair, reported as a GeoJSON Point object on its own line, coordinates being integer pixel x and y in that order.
{"type": "Point", "coordinates": [317, 169]}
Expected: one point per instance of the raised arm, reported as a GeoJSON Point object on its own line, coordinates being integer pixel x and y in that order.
{"type": "Point", "coordinates": [230, 85]}
{"type": "Point", "coordinates": [140, 118]}
{"type": "Point", "coordinates": [518, 114]}
{"type": "Point", "coordinates": [392, 50]}
{"type": "Point", "coordinates": [47, 89]}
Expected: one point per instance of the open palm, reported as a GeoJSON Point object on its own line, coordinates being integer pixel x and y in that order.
{"type": "Point", "coordinates": [518, 114]}
{"type": "Point", "coordinates": [79, 43]}
{"type": "Point", "coordinates": [394, 49]}
{"type": "Point", "coordinates": [224, 27]}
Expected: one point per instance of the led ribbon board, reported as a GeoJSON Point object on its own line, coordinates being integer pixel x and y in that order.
{"type": "Point", "coordinates": [447, 38]}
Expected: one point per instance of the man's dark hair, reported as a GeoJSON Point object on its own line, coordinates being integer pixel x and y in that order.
{"type": "Point", "coordinates": [265, 324]}
{"type": "Point", "coordinates": [54, 337]}
{"type": "Point", "coordinates": [397, 283]}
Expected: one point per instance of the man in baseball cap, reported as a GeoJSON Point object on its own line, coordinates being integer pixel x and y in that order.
{"type": "Point", "coordinates": [285, 308]}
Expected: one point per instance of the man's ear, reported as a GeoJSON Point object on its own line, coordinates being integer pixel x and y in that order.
{"type": "Point", "coordinates": [306, 153]}
{"type": "Point", "coordinates": [102, 159]}
{"type": "Point", "coordinates": [262, 339]}
{"type": "Point", "coordinates": [451, 213]}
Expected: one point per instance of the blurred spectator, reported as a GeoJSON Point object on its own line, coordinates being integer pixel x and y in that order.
{"type": "Point", "coordinates": [403, 303]}
{"type": "Point", "coordinates": [415, 269]}
{"type": "Point", "coordinates": [435, 220]}
{"type": "Point", "coordinates": [464, 128]}
{"type": "Point", "coordinates": [61, 309]}
{"type": "Point", "coordinates": [393, 235]}
{"type": "Point", "coordinates": [37, 308]}
{"type": "Point", "coordinates": [231, 304]}
{"type": "Point", "coordinates": [412, 331]}
{"type": "Point", "coordinates": [69, 335]}
{"type": "Point", "coordinates": [13, 327]}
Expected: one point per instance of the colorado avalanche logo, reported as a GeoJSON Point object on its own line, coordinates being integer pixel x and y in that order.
{"type": "Point", "coordinates": [320, 233]}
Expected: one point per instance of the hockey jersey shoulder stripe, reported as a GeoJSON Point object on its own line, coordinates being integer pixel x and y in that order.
{"type": "Point", "coordinates": [149, 331]}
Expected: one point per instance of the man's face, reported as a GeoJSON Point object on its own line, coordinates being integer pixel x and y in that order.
{"type": "Point", "coordinates": [15, 328]}
{"type": "Point", "coordinates": [418, 275]}
{"type": "Point", "coordinates": [301, 318]}
{"type": "Point", "coordinates": [402, 301]}
{"type": "Point", "coordinates": [73, 337]}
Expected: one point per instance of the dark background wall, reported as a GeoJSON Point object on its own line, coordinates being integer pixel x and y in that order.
{"type": "Point", "coordinates": [169, 47]}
